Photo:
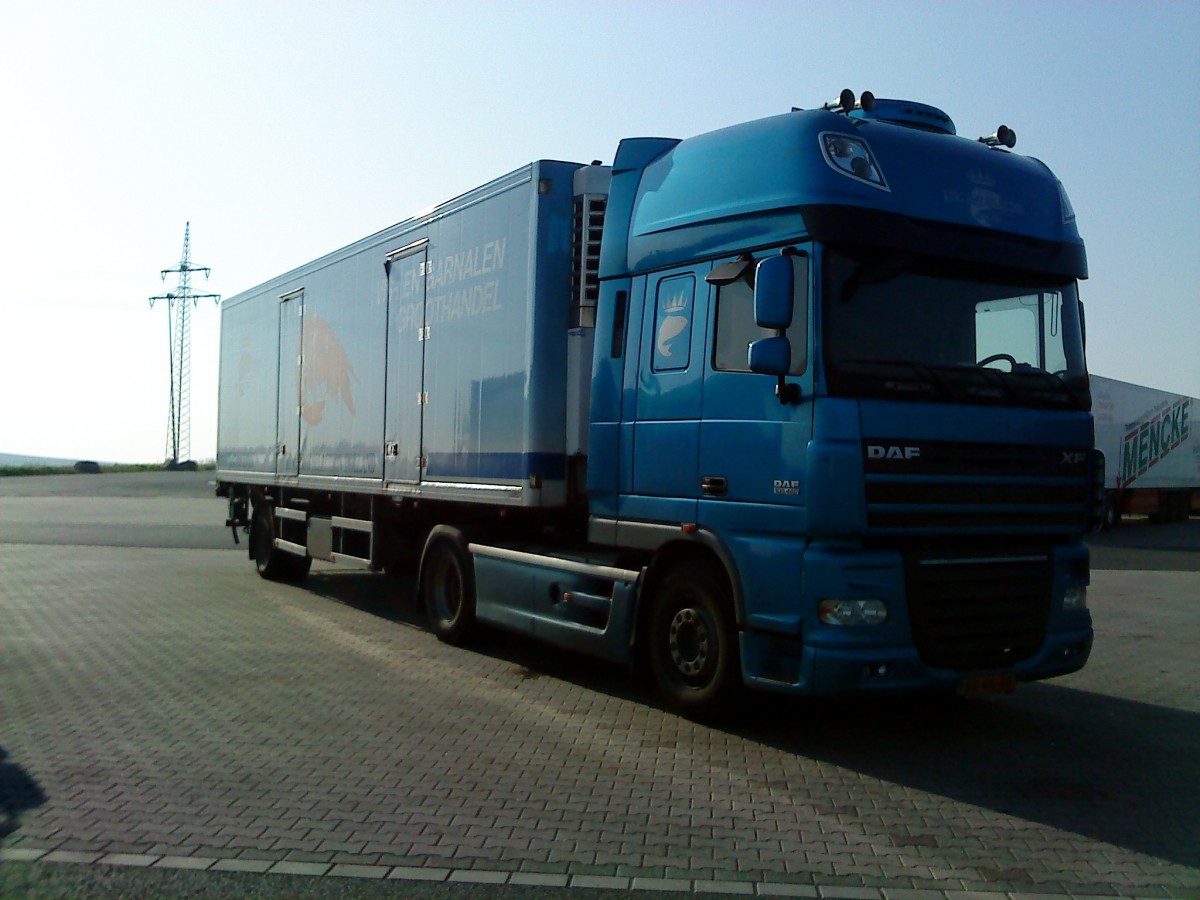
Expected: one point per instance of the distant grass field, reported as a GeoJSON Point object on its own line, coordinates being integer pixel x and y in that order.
{"type": "Point", "coordinates": [8, 471]}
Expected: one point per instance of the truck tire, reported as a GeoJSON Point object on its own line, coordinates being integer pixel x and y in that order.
{"type": "Point", "coordinates": [693, 640]}
{"type": "Point", "coordinates": [1111, 516]}
{"type": "Point", "coordinates": [447, 583]}
{"type": "Point", "coordinates": [272, 563]}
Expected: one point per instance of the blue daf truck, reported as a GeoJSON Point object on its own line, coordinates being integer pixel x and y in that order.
{"type": "Point", "coordinates": [800, 405]}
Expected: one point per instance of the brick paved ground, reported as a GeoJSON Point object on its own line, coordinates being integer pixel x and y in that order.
{"type": "Point", "coordinates": [165, 707]}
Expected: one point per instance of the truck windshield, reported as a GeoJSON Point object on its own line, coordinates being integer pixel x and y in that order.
{"type": "Point", "coordinates": [898, 325]}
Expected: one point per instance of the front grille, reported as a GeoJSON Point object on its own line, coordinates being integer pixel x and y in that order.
{"type": "Point", "coordinates": [973, 612]}
{"type": "Point", "coordinates": [930, 486]}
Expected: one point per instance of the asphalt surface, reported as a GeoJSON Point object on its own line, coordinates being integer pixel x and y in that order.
{"type": "Point", "coordinates": [171, 725]}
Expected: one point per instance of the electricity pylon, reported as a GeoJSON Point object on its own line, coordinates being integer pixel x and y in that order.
{"type": "Point", "coordinates": [179, 334]}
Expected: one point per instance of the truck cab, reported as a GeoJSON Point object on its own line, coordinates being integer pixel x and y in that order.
{"type": "Point", "coordinates": [839, 363]}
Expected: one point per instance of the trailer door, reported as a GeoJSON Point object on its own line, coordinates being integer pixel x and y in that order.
{"type": "Point", "coordinates": [406, 270]}
{"type": "Point", "coordinates": [291, 360]}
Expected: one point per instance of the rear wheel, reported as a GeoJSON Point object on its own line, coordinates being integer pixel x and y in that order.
{"type": "Point", "coordinates": [693, 640]}
{"type": "Point", "coordinates": [271, 562]}
{"type": "Point", "coordinates": [448, 590]}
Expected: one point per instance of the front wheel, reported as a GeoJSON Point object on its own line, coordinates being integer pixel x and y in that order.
{"type": "Point", "coordinates": [693, 640]}
{"type": "Point", "coordinates": [448, 591]}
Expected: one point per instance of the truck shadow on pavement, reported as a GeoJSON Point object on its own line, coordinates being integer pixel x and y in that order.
{"type": "Point", "coordinates": [1113, 770]}
{"type": "Point", "coordinates": [1110, 769]}
{"type": "Point", "coordinates": [18, 793]}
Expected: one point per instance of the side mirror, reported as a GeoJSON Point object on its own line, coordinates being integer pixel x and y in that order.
{"type": "Point", "coordinates": [770, 356]}
{"type": "Point", "coordinates": [773, 290]}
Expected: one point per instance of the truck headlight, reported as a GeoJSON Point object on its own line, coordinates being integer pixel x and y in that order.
{"type": "Point", "coordinates": [852, 612]}
{"type": "Point", "coordinates": [1075, 597]}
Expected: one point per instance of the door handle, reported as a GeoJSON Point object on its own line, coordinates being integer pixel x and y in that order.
{"type": "Point", "coordinates": [714, 485]}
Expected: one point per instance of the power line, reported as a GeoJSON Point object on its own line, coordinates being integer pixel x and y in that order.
{"type": "Point", "coordinates": [179, 336]}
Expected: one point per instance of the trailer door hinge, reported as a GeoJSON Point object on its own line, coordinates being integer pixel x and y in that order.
{"type": "Point", "coordinates": [422, 398]}
{"type": "Point", "coordinates": [425, 269]}
{"type": "Point", "coordinates": [391, 449]}
{"type": "Point", "coordinates": [422, 462]}
{"type": "Point", "coordinates": [423, 334]}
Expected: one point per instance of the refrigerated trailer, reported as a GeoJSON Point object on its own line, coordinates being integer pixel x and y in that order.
{"type": "Point", "coordinates": [1151, 449]}
{"type": "Point", "coordinates": [799, 404]}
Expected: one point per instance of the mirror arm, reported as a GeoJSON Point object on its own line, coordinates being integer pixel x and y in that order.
{"type": "Point", "coordinates": [786, 392]}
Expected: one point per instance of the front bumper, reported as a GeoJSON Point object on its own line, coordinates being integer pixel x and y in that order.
{"type": "Point", "coordinates": [774, 663]}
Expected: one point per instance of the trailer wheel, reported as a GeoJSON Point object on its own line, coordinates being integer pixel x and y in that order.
{"type": "Point", "coordinates": [448, 591]}
{"type": "Point", "coordinates": [271, 562]}
{"type": "Point", "coordinates": [693, 640]}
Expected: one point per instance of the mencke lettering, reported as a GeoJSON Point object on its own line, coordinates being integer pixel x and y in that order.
{"type": "Point", "coordinates": [1148, 442]}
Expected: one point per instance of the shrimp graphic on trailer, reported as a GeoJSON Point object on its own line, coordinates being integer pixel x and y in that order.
{"type": "Point", "coordinates": [326, 374]}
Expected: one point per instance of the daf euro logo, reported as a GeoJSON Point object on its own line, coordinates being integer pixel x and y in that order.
{"type": "Point", "coordinates": [892, 451]}
{"type": "Point", "coordinates": [1073, 459]}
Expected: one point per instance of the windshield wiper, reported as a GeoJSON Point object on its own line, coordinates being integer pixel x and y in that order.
{"type": "Point", "coordinates": [929, 380]}
{"type": "Point", "coordinates": [974, 383]}
{"type": "Point", "coordinates": [1028, 386]}
{"type": "Point", "coordinates": [1024, 384]}
{"type": "Point", "coordinates": [1047, 387]}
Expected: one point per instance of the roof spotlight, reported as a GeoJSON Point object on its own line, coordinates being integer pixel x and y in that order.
{"type": "Point", "coordinates": [1004, 137]}
{"type": "Point", "coordinates": [844, 102]}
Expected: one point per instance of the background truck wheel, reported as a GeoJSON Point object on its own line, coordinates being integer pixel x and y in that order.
{"type": "Point", "coordinates": [448, 590]}
{"type": "Point", "coordinates": [271, 562]}
{"type": "Point", "coordinates": [693, 640]}
{"type": "Point", "coordinates": [1112, 513]}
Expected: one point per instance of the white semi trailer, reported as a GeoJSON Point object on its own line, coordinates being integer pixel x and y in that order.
{"type": "Point", "coordinates": [1151, 451]}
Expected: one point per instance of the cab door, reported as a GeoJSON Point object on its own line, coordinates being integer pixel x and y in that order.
{"type": "Point", "coordinates": [753, 453]}
{"type": "Point", "coordinates": [752, 446]}
{"type": "Point", "coordinates": [670, 388]}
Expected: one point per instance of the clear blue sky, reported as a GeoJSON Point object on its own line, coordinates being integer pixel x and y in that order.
{"type": "Point", "coordinates": [283, 130]}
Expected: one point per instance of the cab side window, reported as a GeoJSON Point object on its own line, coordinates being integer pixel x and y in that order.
{"type": "Point", "coordinates": [735, 327]}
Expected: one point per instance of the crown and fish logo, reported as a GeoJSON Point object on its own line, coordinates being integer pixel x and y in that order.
{"type": "Point", "coordinates": [674, 322]}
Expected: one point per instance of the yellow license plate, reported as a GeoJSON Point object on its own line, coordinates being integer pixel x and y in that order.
{"type": "Point", "coordinates": [975, 685]}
